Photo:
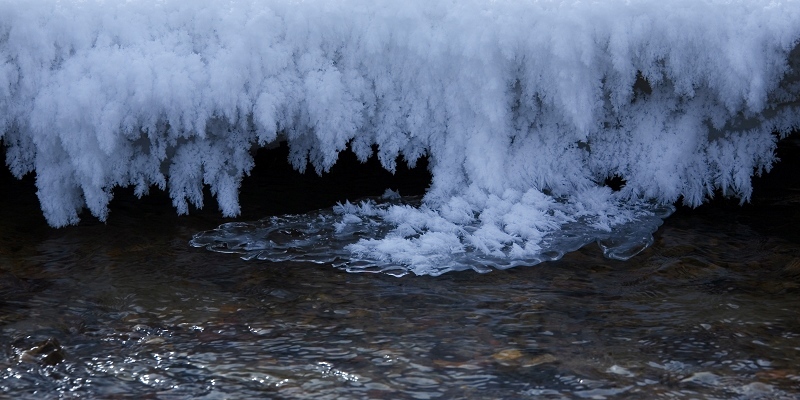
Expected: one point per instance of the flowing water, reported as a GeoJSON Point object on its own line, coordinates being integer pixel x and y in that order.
{"type": "Point", "coordinates": [127, 309]}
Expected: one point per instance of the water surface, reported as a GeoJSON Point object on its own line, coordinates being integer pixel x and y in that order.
{"type": "Point", "coordinates": [128, 309]}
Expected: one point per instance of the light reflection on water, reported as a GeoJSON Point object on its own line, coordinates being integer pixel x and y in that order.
{"type": "Point", "coordinates": [129, 310]}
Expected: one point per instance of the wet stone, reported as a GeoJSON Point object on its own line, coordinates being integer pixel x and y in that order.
{"type": "Point", "coordinates": [507, 355]}
{"type": "Point", "coordinates": [48, 352]}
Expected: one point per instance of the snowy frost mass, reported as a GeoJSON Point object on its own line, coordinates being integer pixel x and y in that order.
{"type": "Point", "coordinates": [523, 108]}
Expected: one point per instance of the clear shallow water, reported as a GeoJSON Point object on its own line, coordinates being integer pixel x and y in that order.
{"type": "Point", "coordinates": [129, 310]}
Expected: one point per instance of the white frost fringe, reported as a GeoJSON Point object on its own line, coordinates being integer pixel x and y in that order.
{"type": "Point", "coordinates": [509, 99]}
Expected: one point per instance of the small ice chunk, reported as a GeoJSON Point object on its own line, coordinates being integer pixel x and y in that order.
{"type": "Point", "coordinates": [351, 219]}
{"type": "Point", "coordinates": [617, 370]}
{"type": "Point", "coordinates": [390, 194]}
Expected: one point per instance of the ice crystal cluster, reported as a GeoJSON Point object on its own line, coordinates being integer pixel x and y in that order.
{"type": "Point", "coordinates": [523, 108]}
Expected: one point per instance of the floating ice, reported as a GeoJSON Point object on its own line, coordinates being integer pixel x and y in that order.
{"type": "Point", "coordinates": [400, 235]}
{"type": "Point", "coordinates": [509, 100]}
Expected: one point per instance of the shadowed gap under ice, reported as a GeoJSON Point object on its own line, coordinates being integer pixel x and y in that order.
{"type": "Point", "coordinates": [274, 188]}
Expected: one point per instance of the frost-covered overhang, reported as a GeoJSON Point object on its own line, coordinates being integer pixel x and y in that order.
{"type": "Point", "coordinates": [507, 99]}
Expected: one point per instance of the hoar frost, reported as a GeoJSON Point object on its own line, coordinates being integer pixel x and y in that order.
{"type": "Point", "coordinates": [396, 235]}
{"type": "Point", "coordinates": [523, 108]}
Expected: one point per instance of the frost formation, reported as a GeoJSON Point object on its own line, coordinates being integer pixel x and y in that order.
{"type": "Point", "coordinates": [518, 105]}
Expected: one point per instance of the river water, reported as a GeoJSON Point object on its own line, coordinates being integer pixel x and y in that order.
{"type": "Point", "coordinates": [127, 309]}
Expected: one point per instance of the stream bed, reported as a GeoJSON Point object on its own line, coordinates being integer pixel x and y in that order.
{"type": "Point", "coordinates": [127, 309]}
